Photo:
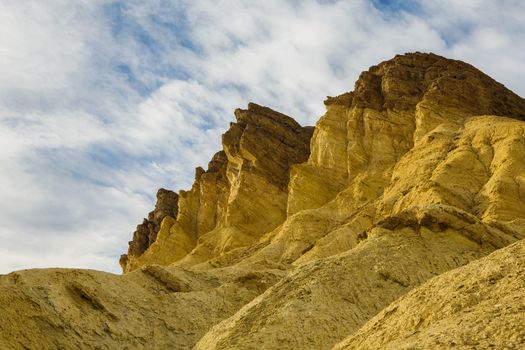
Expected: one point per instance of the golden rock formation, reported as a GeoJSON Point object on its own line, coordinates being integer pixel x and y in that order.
{"type": "Point", "coordinates": [477, 306]}
{"type": "Point", "coordinates": [241, 196]}
{"type": "Point", "coordinates": [386, 228]}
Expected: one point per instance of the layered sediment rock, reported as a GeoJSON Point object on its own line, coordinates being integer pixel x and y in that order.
{"type": "Point", "coordinates": [291, 241]}
{"type": "Point", "coordinates": [146, 233]}
{"type": "Point", "coordinates": [242, 195]}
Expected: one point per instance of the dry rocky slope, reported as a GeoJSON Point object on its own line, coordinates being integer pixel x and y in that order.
{"type": "Point", "coordinates": [396, 224]}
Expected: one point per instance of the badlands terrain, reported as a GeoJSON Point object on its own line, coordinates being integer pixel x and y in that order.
{"type": "Point", "coordinates": [395, 223]}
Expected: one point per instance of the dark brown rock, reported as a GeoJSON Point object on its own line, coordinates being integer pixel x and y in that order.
{"type": "Point", "coordinates": [268, 142]}
{"type": "Point", "coordinates": [404, 81]}
{"type": "Point", "coordinates": [146, 233]}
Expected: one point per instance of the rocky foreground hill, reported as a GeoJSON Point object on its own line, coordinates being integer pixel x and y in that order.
{"type": "Point", "coordinates": [395, 223]}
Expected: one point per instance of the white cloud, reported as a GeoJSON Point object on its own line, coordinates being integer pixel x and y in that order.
{"type": "Point", "coordinates": [101, 102]}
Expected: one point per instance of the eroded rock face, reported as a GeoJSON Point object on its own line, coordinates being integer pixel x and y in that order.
{"type": "Point", "coordinates": [146, 233]}
{"type": "Point", "coordinates": [294, 241]}
{"type": "Point", "coordinates": [365, 133]}
{"type": "Point", "coordinates": [242, 195]}
{"type": "Point", "coordinates": [266, 143]}
{"type": "Point", "coordinates": [478, 306]}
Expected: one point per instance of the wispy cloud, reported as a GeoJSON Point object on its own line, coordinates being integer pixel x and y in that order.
{"type": "Point", "coordinates": [102, 101]}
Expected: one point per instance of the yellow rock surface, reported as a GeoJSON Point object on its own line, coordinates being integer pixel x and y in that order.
{"type": "Point", "coordinates": [319, 303]}
{"type": "Point", "coordinates": [241, 196]}
{"type": "Point", "coordinates": [294, 241]}
{"type": "Point", "coordinates": [478, 306]}
{"type": "Point", "coordinates": [150, 308]}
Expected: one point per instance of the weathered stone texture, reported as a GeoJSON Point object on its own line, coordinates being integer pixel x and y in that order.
{"type": "Point", "coordinates": [396, 224]}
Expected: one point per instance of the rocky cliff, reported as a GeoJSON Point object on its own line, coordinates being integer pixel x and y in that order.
{"type": "Point", "coordinates": [385, 226]}
{"type": "Point", "coordinates": [242, 195]}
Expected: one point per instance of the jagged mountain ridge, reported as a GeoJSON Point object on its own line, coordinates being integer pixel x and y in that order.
{"type": "Point", "coordinates": [242, 194]}
{"type": "Point", "coordinates": [296, 241]}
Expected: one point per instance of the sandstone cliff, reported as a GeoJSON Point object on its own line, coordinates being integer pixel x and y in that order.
{"type": "Point", "coordinates": [242, 195]}
{"type": "Point", "coordinates": [385, 228]}
{"type": "Point", "coordinates": [146, 233]}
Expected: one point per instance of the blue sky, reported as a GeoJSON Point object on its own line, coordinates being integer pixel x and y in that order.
{"type": "Point", "coordinates": [102, 102]}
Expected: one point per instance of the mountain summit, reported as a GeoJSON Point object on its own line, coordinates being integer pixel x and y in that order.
{"type": "Point", "coordinates": [395, 223]}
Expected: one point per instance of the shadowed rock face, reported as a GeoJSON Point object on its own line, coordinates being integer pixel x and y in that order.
{"type": "Point", "coordinates": [267, 143]}
{"type": "Point", "coordinates": [146, 233]}
{"type": "Point", "coordinates": [397, 210]}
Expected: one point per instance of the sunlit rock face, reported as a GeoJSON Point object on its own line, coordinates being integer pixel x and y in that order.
{"type": "Point", "coordinates": [242, 195]}
{"type": "Point", "coordinates": [396, 209]}
{"type": "Point", "coordinates": [146, 233]}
